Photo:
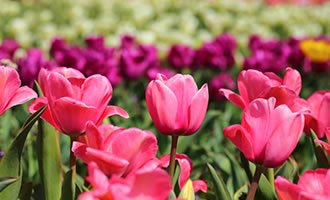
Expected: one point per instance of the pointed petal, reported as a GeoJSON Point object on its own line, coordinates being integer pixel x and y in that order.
{"type": "Point", "coordinates": [292, 80]}
{"type": "Point", "coordinates": [197, 110]}
{"type": "Point", "coordinates": [200, 185]}
{"type": "Point", "coordinates": [20, 96]}
{"type": "Point", "coordinates": [234, 98]}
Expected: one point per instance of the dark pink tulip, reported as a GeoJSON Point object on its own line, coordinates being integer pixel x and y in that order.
{"type": "Point", "coordinates": [319, 120]}
{"type": "Point", "coordinates": [147, 185]}
{"type": "Point", "coordinates": [11, 94]}
{"type": "Point", "coordinates": [8, 49]}
{"type": "Point", "coordinates": [325, 145]}
{"type": "Point", "coordinates": [254, 84]}
{"type": "Point", "coordinates": [175, 105]}
{"type": "Point", "coordinates": [268, 134]}
{"type": "Point", "coordinates": [312, 185]}
{"type": "Point", "coordinates": [181, 56]}
{"type": "Point", "coordinates": [74, 100]}
{"type": "Point", "coordinates": [222, 80]}
{"type": "Point", "coordinates": [117, 151]}
{"type": "Point", "coordinates": [185, 170]}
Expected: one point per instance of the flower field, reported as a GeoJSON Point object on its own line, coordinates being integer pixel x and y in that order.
{"type": "Point", "coordinates": [116, 100]}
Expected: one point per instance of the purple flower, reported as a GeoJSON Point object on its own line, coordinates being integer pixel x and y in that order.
{"type": "Point", "coordinates": [152, 72]}
{"type": "Point", "coordinates": [8, 49]}
{"type": "Point", "coordinates": [219, 53]}
{"type": "Point", "coordinates": [181, 56]}
{"type": "Point", "coordinates": [30, 65]}
{"type": "Point", "coordinates": [136, 59]}
{"type": "Point", "coordinates": [267, 55]}
{"type": "Point", "coordinates": [222, 80]}
{"type": "Point", "coordinates": [95, 42]}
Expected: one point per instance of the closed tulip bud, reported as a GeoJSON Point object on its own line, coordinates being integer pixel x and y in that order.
{"type": "Point", "coordinates": [175, 105]}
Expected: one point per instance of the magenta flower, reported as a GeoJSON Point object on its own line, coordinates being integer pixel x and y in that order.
{"type": "Point", "coordinates": [104, 146]}
{"type": "Point", "coordinates": [8, 49]}
{"type": "Point", "coordinates": [260, 136]}
{"type": "Point", "coordinates": [152, 184]}
{"type": "Point", "coordinates": [312, 185]}
{"type": "Point", "coordinates": [222, 80]}
{"type": "Point", "coordinates": [74, 100]}
{"type": "Point", "coordinates": [11, 94]}
{"type": "Point", "coordinates": [181, 56]}
{"type": "Point", "coordinates": [175, 105]}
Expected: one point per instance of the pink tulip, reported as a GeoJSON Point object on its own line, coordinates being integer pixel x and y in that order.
{"type": "Point", "coordinates": [11, 94]}
{"type": "Point", "coordinates": [117, 151]}
{"type": "Point", "coordinates": [312, 185]}
{"type": "Point", "coordinates": [319, 120]}
{"type": "Point", "coordinates": [325, 145]}
{"type": "Point", "coordinates": [175, 105]}
{"type": "Point", "coordinates": [185, 170]}
{"type": "Point", "coordinates": [253, 84]}
{"type": "Point", "coordinates": [74, 100]}
{"type": "Point", "coordinates": [268, 134]}
{"type": "Point", "coordinates": [148, 185]}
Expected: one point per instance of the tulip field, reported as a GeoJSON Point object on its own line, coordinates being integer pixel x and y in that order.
{"type": "Point", "coordinates": [165, 100]}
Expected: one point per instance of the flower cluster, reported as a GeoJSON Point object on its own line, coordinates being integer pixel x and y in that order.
{"type": "Point", "coordinates": [307, 55]}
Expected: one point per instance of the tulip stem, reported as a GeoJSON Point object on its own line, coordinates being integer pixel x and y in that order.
{"type": "Point", "coordinates": [270, 177]}
{"type": "Point", "coordinates": [254, 184]}
{"type": "Point", "coordinates": [171, 168]}
{"type": "Point", "coordinates": [72, 156]}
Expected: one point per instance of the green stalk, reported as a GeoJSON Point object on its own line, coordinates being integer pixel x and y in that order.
{"type": "Point", "coordinates": [254, 184]}
{"type": "Point", "coordinates": [171, 168]}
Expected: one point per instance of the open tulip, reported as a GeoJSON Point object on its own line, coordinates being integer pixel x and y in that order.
{"type": "Point", "coordinates": [175, 105]}
{"type": "Point", "coordinates": [260, 136]}
{"type": "Point", "coordinates": [11, 94]}
{"type": "Point", "coordinates": [153, 184]}
{"type": "Point", "coordinates": [74, 100]}
{"type": "Point", "coordinates": [312, 185]}
{"type": "Point", "coordinates": [117, 151]}
{"type": "Point", "coordinates": [319, 120]}
{"type": "Point", "coordinates": [253, 84]}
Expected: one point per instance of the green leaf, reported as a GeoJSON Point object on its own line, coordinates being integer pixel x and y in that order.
{"type": "Point", "coordinates": [49, 160]}
{"type": "Point", "coordinates": [5, 181]}
{"type": "Point", "coordinates": [10, 164]}
{"type": "Point", "coordinates": [69, 186]}
{"type": "Point", "coordinates": [265, 189]}
{"type": "Point", "coordinates": [187, 191]}
{"type": "Point", "coordinates": [220, 187]}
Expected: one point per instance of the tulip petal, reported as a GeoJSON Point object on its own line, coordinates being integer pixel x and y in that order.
{"type": "Point", "coordinates": [46, 115]}
{"type": "Point", "coordinates": [162, 106]}
{"type": "Point", "coordinates": [107, 162]}
{"type": "Point", "coordinates": [251, 84]}
{"type": "Point", "coordinates": [140, 147]}
{"type": "Point", "coordinates": [98, 179]}
{"type": "Point", "coordinates": [292, 80]}
{"type": "Point", "coordinates": [101, 89]}
{"type": "Point", "coordinates": [20, 96]}
{"type": "Point", "coordinates": [313, 181]}
{"type": "Point", "coordinates": [72, 116]}
{"type": "Point", "coordinates": [94, 137]}
{"type": "Point", "coordinates": [288, 125]}
{"type": "Point", "coordinates": [286, 190]}
{"type": "Point", "coordinates": [241, 138]}
{"type": "Point", "coordinates": [234, 98]}
{"type": "Point", "coordinates": [199, 185]}
{"type": "Point", "coordinates": [57, 87]}
{"type": "Point", "coordinates": [197, 109]}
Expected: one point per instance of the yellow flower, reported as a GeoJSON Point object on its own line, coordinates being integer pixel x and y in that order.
{"type": "Point", "coordinates": [316, 50]}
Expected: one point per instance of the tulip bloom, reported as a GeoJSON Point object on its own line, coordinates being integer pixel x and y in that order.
{"type": "Point", "coordinates": [153, 184]}
{"type": "Point", "coordinates": [117, 151]}
{"type": "Point", "coordinates": [268, 134]}
{"type": "Point", "coordinates": [74, 100]}
{"type": "Point", "coordinates": [312, 185]}
{"type": "Point", "coordinates": [11, 94]}
{"type": "Point", "coordinates": [319, 120]}
{"type": "Point", "coordinates": [175, 105]}
{"type": "Point", "coordinates": [253, 84]}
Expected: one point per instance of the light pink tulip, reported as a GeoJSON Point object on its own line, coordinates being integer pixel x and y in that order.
{"type": "Point", "coordinates": [185, 170]}
{"type": "Point", "coordinates": [175, 105]}
{"type": "Point", "coordinates": [254, 84]}
{"type": "Point", "coordinates": [268, 134]}
{"type": "Point", "coordinates": [74, 100]}
{"type": "Point", "coordinates": [319, 120]}
{"type": "Point", "coordinates": [312, 185]}
{"type": "Point", "coordinates": [117, 151]}
{"type": "Point", "coordinates": [148, 185]}
{"type": "Point", "coordinates": [11, 94]}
